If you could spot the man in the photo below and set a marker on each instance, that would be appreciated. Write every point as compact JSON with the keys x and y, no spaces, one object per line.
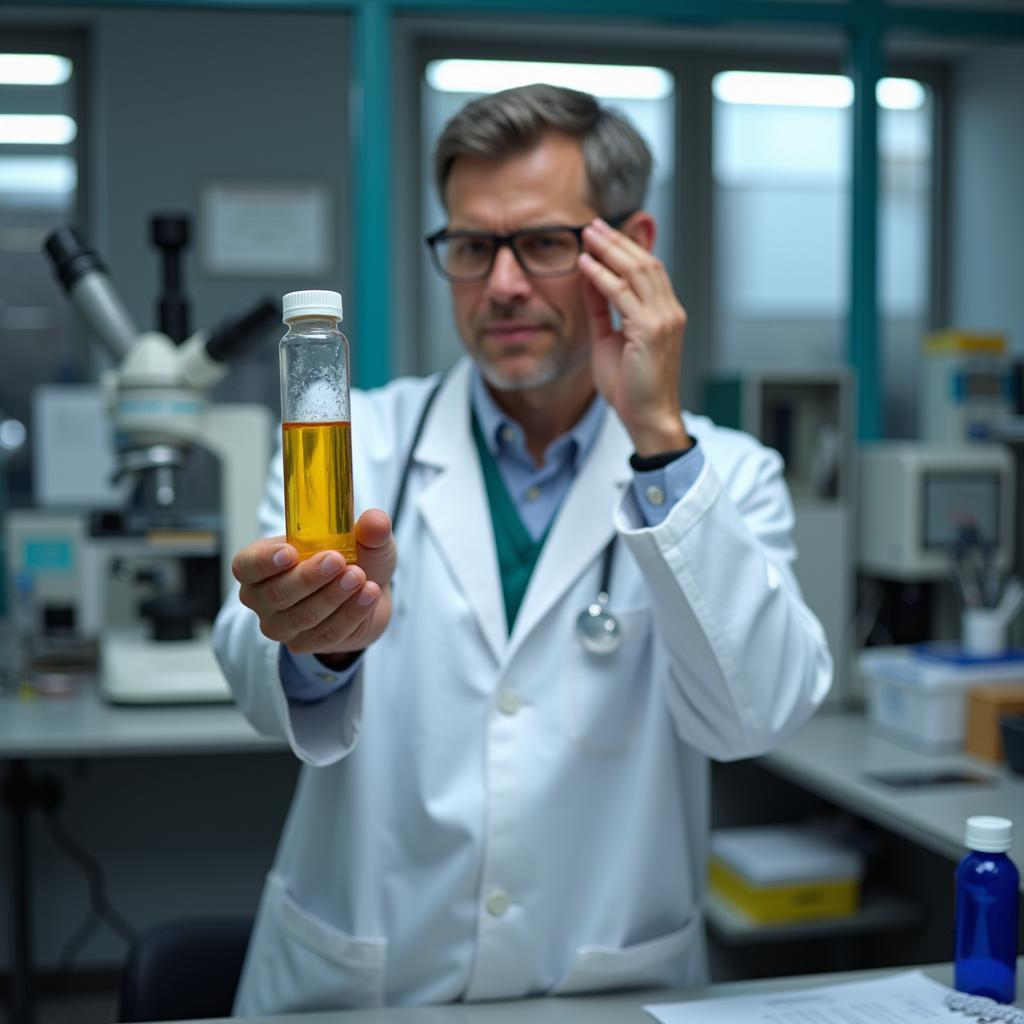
{"x":488,"y":808}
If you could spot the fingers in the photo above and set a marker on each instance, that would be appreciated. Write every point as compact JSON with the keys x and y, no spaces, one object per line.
{"x":375,"y":546}
{"x":285,"y":590}
{"x":330,"y":621}
{"x":599,"y":312}
{"x":643,"y":272}
{"x":613,"y":288}
{"x":262,"y":559}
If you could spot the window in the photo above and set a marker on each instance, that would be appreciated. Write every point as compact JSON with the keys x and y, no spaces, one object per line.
{"x":781,"y":159}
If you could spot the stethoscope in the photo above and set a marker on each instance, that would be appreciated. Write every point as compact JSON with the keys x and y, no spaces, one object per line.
{"x":597,"y":628}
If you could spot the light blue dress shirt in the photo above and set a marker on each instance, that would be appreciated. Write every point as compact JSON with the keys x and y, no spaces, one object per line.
{"x":537,"y":492}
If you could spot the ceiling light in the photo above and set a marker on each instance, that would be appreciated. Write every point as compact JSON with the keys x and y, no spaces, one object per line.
{"x":608,"y":81}
{"x":34,"y":69}
{"x":37,"y":129}
{"x":783,"y":89}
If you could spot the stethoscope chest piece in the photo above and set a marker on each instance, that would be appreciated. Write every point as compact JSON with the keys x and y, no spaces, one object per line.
{"x":598,"y":629}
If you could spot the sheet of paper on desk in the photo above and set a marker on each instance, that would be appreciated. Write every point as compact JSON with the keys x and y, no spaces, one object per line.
{"x":909,"y":998}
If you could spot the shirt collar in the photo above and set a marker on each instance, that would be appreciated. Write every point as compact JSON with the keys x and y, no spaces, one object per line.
{"x":493,"y":421}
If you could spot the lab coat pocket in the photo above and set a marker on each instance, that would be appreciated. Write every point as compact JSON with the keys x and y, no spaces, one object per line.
{"x":317,"y":966}
{"x":672,"y":960}
{"x":606,"y":690}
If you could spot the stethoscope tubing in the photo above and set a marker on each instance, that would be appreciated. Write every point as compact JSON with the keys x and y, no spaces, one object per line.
{"x":607,"y":559}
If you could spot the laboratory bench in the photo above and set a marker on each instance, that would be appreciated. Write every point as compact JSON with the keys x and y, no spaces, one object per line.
{"x":828,"y":758}
{"x":610,"y":1008}
{"x":833,"y":754}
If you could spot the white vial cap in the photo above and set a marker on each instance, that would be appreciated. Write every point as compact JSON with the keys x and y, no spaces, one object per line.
{"x":311,"y":303}
{"x":988,"y":834}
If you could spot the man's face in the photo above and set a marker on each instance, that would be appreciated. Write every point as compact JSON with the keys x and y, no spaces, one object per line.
{"x":523,"y":332}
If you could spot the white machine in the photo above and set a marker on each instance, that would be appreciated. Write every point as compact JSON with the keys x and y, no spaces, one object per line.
{"x":967,"y":387}
{"x":916,"y":498}
{"x":156,"y":398}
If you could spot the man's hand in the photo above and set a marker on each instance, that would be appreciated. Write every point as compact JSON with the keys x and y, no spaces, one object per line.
{"x":321,"y":605}
{"x":636,"y":368}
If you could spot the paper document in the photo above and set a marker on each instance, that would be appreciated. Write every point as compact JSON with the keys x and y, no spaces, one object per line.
{"x":909,"y":998}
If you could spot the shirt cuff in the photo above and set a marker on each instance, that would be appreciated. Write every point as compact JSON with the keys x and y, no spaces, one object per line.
{"x":657,"y":491}
{"x":307,"y":680}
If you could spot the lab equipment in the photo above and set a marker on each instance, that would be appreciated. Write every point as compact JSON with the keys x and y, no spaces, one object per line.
{"x":156,"y":398}
{"x":316,"y":426}
{"x":984,"y":630}
{"x":916,"y":498}
{"x":985,"y":953}
{"x":920,"y":696}
{"x":780,"y":873}
{"x":967,"y":386}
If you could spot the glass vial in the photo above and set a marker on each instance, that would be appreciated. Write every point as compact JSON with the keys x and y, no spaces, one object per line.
{"x":987,"y":881}
{"x":316,"y":426}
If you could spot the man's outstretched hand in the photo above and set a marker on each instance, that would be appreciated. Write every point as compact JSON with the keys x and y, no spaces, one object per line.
{"x":321,"y":605}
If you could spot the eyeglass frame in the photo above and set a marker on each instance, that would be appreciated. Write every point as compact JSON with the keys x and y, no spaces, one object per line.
{"x":444,"y":235}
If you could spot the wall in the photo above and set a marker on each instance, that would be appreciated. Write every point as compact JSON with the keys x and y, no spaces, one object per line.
{"x":987,"y":191}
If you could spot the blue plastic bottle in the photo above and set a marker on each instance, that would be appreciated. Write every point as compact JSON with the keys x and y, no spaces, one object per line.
{"x":987,"y":883}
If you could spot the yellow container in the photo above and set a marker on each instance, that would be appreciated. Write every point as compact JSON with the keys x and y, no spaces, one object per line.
{"x":957,"y":341}
{"x":793,"y":901}
{"x":779,"y":874}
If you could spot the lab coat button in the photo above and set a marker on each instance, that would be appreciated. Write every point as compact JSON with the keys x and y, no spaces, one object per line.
{"x":655,"y":495}
{"x":497,"y":902}
{"x":508,"y":702}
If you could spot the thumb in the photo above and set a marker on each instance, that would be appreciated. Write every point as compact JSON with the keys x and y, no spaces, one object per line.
{"x":375,"y":546}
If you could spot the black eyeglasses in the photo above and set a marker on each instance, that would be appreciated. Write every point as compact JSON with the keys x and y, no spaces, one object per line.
{"x":548,"y":251}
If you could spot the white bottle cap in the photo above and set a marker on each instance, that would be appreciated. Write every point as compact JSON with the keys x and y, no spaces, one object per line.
{"x":988,"y":834}
{"x":311,"y":303}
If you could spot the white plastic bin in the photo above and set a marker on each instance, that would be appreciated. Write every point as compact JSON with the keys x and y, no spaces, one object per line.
{"x":924,"y":700}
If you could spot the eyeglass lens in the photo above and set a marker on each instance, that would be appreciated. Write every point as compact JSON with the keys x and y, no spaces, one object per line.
{"x":540,"y":252}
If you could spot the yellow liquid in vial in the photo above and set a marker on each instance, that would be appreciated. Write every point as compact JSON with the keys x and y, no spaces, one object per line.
{"x":318,"y":488}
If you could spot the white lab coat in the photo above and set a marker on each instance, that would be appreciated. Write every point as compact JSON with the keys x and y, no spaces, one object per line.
{"x":487,"y":816}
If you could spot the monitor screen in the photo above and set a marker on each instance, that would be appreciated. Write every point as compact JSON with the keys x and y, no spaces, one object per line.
{"x":953,"y":501}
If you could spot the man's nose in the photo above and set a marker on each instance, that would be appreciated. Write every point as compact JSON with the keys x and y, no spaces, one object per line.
{"x":507,"y":280}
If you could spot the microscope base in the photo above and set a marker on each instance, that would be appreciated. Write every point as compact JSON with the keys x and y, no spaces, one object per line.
{"x":137,"y":670}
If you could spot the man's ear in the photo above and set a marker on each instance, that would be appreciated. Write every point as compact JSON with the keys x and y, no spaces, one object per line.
{"x":641,"y":229}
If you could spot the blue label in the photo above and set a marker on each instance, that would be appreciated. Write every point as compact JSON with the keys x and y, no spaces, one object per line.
{"x":48,"y":555}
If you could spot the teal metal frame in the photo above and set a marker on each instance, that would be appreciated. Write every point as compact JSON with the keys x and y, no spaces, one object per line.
{"x":866,"y":22}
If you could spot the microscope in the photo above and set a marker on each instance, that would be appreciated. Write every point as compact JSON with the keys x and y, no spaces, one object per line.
{"x":156,"y":649}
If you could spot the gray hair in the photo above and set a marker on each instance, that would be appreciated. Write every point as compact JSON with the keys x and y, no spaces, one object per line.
{"x":504,"y":124}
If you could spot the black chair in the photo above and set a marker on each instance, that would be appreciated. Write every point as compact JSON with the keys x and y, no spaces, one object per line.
{"x":185,"y":970}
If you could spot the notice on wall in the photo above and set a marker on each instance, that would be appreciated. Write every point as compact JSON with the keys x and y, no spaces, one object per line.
{"x":906,"y":998}
{"x":253,"y":229}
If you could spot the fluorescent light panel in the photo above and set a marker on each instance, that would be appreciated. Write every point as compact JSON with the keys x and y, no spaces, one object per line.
{"x":782,"y":89}
{"x":34,"y":69}
{"x":38,"y":175}
{"x":608,"y":81}
{"x":37,"y":129}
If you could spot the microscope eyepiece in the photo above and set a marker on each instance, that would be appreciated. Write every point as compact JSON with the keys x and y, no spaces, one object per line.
{"x":71,"y":257}
{"x":85,"y":279}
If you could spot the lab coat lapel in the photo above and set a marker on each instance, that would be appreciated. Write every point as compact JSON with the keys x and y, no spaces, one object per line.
{"x":454,"y":507}
{"x":581,"y":529}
